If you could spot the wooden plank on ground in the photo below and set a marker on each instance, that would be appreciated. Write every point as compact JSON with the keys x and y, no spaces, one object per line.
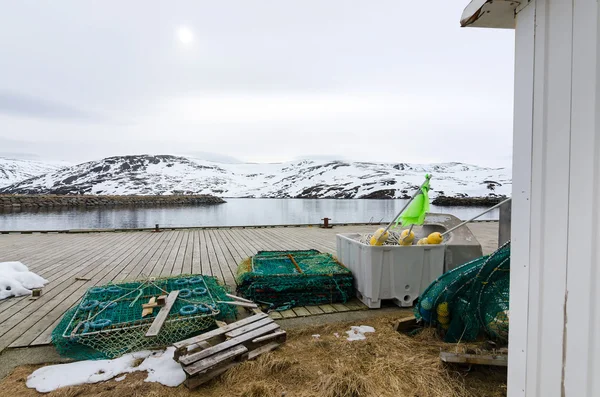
{"x":480,"y":359}
{"x":405,"y":324}
{"x":247,"y":328}
{"x":245,"y":249}
{"x":191,"y":358}
{"x":301,"y":312}
{"x":196,"y":263}
{"x":187,"y":258}
{"x":355,"y":304}
{"x":215,"y":270}
{"x":231,"y":256}
{"x":288,"y":313}
{"x":281,"y":335}
{"x":275,"y":315}
{"x":204,"y":259}
{"x":339,"y":307}
{"x":327,"y":308}
{"x":194,"y":382}
{"x":226,"y":272}
{"x":239,"y":298}
{"x":169,"y":263}
{"x":263,"y":349}
{"x":161,"y":259}
{"x":208,"y":363}
{"x":146,"y":263}
{"x":159,"y":320}
{"x":238,"y":303}
{"x":314,"y":309}
{"x":219,"y":331}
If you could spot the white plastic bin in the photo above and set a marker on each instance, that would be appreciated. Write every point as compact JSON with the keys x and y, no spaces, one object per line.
{"x":390,"y":272}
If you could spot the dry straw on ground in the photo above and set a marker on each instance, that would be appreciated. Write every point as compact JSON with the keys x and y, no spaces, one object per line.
{"x":385,"y":364}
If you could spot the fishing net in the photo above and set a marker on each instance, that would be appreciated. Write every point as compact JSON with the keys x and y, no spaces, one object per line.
{"x":393,"y":238}
{"x":471,"y":299}
{"x":108,"y":321}
{"x":284,"y":279}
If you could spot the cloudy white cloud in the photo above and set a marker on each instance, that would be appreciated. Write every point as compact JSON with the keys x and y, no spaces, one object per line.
{"x":260,"y":80}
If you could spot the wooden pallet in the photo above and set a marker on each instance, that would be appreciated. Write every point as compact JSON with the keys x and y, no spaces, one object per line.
{"x":499,"y":360}
{"x":207,"y":356}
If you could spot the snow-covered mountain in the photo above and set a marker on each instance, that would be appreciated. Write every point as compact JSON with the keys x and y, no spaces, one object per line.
{"x":13,"y":171}
{"x":164,"y":174}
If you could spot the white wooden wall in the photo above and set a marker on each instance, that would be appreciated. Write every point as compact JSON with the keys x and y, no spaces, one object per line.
{"x":555,"y":310}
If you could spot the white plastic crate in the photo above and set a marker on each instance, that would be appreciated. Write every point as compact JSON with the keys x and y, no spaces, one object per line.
{"x":390,"y":272}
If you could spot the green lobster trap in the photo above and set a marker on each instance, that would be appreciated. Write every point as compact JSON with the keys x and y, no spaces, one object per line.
{"x":284,"y":279}
{"x":108,"y":321}
{"x":470,"y":300}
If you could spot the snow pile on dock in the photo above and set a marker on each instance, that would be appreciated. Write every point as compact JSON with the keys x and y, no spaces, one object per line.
{"x":17,"y":280}
{"x":160,"y":366}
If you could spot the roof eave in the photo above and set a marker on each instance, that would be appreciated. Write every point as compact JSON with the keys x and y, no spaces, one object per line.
{"x":498,"y":14}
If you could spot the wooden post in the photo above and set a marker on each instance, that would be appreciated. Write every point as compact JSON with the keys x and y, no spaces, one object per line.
{"x":505,"y":222}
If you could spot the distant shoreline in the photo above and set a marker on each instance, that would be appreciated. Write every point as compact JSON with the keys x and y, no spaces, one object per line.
{"x":441,"y":201}
{"x":444,"y":201}
{"x":22,"y":201}
{"x":11,"y":201}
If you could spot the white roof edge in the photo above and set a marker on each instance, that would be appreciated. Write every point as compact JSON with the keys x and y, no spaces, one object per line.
{"x":499,"y":14}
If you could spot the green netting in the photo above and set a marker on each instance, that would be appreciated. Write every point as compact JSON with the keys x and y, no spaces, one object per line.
{"x":471,"y":299}
{"x":284,"y":279}
{"x":108,"y":321}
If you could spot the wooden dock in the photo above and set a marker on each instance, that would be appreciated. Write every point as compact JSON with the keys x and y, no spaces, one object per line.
{"x":75,"y":262}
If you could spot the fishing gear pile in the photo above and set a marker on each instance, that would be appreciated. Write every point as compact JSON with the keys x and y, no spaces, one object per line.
{"x":108,"y":321}
{"x":284,"y":279}
{"x":470,"y":300}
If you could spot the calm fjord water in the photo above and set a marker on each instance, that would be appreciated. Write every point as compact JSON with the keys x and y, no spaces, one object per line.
{"x":236,"y":212}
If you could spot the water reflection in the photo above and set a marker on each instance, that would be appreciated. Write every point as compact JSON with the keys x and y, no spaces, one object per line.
{"x":236,"y":212}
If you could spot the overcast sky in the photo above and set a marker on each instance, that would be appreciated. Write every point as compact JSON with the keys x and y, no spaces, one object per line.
{"x":256,"y":80}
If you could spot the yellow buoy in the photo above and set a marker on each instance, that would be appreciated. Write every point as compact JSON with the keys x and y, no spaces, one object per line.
{"x":443,"y":320}
{"x":435,"y":238}
{"x":442,"y":309}
{"x":405,"y":238}
{"x":379,"y":237}
{"x":422,"y":241}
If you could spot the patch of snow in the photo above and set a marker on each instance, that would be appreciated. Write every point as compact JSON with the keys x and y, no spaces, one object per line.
{"x":13,"y":170}
{"x":160,"y":365}
{"x":17,"y":280}
{"x":316,"y":336}
{"x":120,"y":378}
{"x":358,"y":333}
{"x":336,"y":334}
{"x":163,"y":369}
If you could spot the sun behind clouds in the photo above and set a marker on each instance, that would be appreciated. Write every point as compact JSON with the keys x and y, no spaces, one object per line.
{"x":185,"y":34}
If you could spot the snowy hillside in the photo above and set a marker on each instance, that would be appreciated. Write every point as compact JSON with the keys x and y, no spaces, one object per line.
{"x":13,"y":171}
{"x":163,"y":174}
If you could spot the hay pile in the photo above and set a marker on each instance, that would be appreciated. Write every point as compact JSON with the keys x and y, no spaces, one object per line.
{"x":385,"y":364}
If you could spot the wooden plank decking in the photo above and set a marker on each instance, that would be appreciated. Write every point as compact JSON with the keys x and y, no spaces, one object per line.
{"x":75,"y":262}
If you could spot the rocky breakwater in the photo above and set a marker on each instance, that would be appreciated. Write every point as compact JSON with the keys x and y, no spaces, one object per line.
{"x":463,"y":201}
{"x":9,"y":201}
